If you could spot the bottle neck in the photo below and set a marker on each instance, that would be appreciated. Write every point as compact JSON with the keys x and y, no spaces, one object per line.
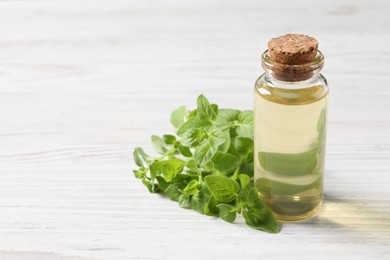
{"x":291,"y":84}
{"x":293,"y":73}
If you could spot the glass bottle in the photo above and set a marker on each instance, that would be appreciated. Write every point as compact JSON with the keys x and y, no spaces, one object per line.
{"x":290,"y":116}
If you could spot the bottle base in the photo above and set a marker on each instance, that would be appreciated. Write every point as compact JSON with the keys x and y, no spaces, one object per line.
{"x":293,"y":208}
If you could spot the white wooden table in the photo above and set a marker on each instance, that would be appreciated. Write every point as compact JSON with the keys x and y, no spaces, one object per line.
{"x":84,"y":82}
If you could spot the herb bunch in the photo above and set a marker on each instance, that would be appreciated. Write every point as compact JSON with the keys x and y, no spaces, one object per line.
{"x":207,"y":165}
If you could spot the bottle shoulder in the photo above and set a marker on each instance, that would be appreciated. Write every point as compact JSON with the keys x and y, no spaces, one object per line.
{"x":291,"y":93}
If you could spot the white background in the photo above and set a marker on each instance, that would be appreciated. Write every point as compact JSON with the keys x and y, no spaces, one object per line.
{"x":82,"y":83}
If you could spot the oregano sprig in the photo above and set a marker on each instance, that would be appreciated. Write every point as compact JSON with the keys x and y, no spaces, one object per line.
{"x":207,"y":165}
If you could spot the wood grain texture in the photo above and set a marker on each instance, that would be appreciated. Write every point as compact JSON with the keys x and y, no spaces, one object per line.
{"x":82,"y":83}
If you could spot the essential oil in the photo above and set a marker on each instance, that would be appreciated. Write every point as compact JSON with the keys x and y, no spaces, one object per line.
{"x":290,"y":128}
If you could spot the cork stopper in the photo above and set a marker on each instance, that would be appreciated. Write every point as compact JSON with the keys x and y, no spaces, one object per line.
{"x":293,"y":57}
{"x":293,"y":49}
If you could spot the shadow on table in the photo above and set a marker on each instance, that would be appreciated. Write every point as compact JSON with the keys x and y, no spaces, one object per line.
{"x":367,"y":217}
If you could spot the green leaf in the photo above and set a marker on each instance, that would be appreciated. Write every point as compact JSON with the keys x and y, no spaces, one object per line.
{"x":162,"y":183}
{"x":190,"y":164}
{"x":289,"y":164}
{"x":245,"y":131}
{"x":257,"y":215}
{"x":205,"y":110}
{"x":204,"y":153}
{"x":261,"y":220}
{"x":234,"y":177}
{"x":245,"y":126}
{"x":225,"y":162}
{"x":191,"y":188}
{"x":192,"y":114}
{"x":253,"y":199}
{"x":227,"y":116}
{"x":225,"y":146}
{"x":183,"y":178}
{"x":199,"y":201}
{"x":171,"y":168}
{"x":265,"y":220}
{"x":140,"y":173}
{"x":211,"y":207}
{"x":243,"y":146}
{"x":185,"y":151}
{"x":227,"y":212}
{"x":192,"y":137}
{"x":247,"y":168}
{"x":209,"y":166}
{"x":216,"y":136}
{"x":244,"y":181}
{"x":192,"y":124}
{"x":246,"y":117}
{"x":158,"y":144}
{"x":214,"y":107}
{"x":184,"y":201}
{"x":222,"y":188}
{"x":140,"y":157}
{"x":178,"y":117}
{"x":174,"y":191}
{"x":148,"y":184}
{"x":169,"y":139}
{"x":137,"y":157}
{"x":155,"y":169}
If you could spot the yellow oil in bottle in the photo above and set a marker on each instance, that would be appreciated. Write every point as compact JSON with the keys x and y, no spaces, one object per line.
{"x":290,"y":127}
